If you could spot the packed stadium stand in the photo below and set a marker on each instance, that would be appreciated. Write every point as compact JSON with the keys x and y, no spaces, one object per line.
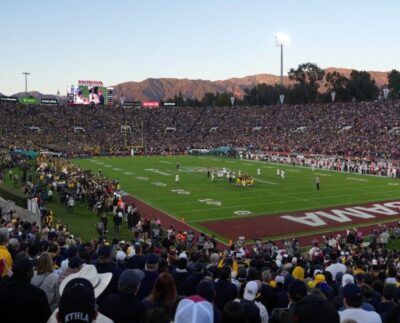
{"x":368,"y":129}
{"x":165,"y":275}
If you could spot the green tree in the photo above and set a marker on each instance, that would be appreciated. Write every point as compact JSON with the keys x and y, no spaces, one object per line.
{"x":394,"y":84}
{"x":336,"y":82}
{"x":262,"y":94}
{"x":361,"y":86}
{"x":307,"y":77}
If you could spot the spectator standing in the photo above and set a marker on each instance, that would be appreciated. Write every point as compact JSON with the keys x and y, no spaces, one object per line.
{"x":20,"y":301}
{"x":46,"y":279}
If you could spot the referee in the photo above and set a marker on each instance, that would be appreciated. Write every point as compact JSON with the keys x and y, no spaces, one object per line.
{"x":317,"y":181}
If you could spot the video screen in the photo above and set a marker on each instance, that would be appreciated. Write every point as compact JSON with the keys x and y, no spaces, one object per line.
{"x":90,"y":95}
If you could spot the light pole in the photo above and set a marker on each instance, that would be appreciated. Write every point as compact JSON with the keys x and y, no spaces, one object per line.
{"x":26,"y":81}
{"x":281,"y":40}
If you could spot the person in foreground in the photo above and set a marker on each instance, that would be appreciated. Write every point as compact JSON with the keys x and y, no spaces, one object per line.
{"x":353,"y":299}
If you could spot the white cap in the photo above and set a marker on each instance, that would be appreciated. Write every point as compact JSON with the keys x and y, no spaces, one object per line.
{"x":120,"y":256}
{"x":194,"y":309}
{"x":347,"y":279}
{"x":251,"y":290}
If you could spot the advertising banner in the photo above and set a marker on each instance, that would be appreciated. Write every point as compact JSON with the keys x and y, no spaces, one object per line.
{"x":8,"y":99}
{"x":150,"y":104}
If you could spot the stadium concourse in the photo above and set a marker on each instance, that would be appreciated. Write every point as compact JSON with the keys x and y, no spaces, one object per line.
{"x":164,"y":274}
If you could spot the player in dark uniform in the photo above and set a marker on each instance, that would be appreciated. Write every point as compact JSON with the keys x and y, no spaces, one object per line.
{"x":177,"y":165}
{"x":317,"y":182}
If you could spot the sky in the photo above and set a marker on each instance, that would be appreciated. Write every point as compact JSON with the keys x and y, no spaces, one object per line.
{"x":61,"y":42}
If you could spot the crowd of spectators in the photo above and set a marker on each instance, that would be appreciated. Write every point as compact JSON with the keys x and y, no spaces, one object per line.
{"x":367,"y":129}
{"x":47,"y":274}
{"x":160,"y":275}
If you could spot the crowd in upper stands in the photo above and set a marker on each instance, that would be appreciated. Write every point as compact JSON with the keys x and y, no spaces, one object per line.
{"x":367,"y":129}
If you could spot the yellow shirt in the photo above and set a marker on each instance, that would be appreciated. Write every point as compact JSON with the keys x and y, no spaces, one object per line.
{"x":5,"y":254}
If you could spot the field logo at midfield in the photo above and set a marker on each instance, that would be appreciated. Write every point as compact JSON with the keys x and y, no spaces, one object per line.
{"x":181,"y":191}
{"x":160,"y":184}
{"x":211,"y":202}
{"x":157,"y":171}
{"x":345,"y":215}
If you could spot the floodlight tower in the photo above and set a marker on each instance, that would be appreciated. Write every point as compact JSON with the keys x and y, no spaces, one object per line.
{"x":281,"y":40}
{"x":26,"y":81}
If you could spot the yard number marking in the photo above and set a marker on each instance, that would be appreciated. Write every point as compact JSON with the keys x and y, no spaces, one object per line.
{"x":211,"y":202}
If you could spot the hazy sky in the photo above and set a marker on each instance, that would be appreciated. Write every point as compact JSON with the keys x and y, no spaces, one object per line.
{"x":60,"y":42}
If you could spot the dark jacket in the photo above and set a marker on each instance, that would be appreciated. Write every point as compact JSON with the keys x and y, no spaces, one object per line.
{"x":136,"y":262}
{"x":225,"y":291}
{"x":190,"y":284}
{"x":147,"y":284}
{"x":23,"y":302}
{"x":251,"y":310}
{"x":123,"y":308}
{"x":179,"y":276}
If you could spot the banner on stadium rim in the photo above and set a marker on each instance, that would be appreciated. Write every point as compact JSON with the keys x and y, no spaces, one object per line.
{"x":169,"y":104}
{"x":9,"y":99}
{"x":29,"y":100}
{"x":132,"y":104}
{"x":333,"y":96}
{"x":281,"y":98}
{"x":49,"y":101}
{"x":385,"y":93}
{"x":150,"y":104}
{"x":232,"y":100}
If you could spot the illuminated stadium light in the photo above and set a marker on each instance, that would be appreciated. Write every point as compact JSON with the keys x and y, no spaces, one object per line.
{"x":281,"y":40}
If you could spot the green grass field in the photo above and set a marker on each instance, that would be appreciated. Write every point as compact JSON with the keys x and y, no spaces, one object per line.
{"x":196,"y":198}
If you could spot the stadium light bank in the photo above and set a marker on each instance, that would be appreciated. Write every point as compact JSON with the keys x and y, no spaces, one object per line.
{"x":281,"y":40}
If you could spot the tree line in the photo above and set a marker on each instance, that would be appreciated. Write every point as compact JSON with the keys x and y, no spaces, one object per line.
{"x":308,"y":79}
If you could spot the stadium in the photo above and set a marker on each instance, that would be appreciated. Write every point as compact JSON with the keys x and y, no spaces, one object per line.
{"x":256,"y":199}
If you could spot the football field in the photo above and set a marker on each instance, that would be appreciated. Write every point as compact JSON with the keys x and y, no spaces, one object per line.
{"x":272,"y":208}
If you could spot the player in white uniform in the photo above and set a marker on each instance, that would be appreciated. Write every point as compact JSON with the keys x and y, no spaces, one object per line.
{"x":278,"y":172}
{"x":258,"y":171}
{"x":282,"y":174}
{"x":212,"y":177}
{"x":177,"y":178}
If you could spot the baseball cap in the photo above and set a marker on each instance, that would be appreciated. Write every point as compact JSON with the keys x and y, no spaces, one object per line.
{"x":77,"y":302}
{"x":74,"y":262}
{"x":320,"y":278}
{"x":347,"y":279}
{"x":194,"y":309}
{"x":297,"y":290}
{"x":152,"y":259}
{"x":104,"y":251}
{"x":120,"y":256}
{"x":352,"y":293}
{"x":250,"y":291}
{"x":130,"y":279}
{"x":22,"y":265}
{"x":280,"y":279}
{"x":206,"y":290}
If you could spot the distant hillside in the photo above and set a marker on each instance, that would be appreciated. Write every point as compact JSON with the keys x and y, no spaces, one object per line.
{"x":35,"y":94}
{"x":165,"y":88}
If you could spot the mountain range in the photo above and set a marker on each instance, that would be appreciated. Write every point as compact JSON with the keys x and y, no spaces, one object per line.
{"x":165,"y":88}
